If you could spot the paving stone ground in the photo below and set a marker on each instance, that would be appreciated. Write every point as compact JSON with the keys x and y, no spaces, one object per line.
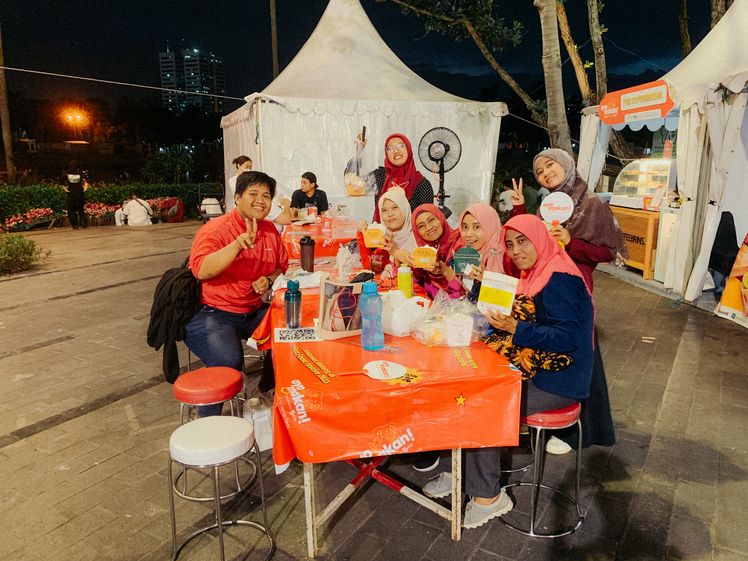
{"x":87,"y":417}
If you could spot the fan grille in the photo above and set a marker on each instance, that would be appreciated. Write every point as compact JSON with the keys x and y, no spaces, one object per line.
{"x":439,"y":144}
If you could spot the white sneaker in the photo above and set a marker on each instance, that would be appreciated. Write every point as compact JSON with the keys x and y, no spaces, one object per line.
{"x":439,"y":486}
{"x":557,"y":446}
{"x":476,"y":515}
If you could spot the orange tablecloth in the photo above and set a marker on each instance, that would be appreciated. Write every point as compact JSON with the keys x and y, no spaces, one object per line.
{"x":440,"y":404}
{"x":327,"y":240}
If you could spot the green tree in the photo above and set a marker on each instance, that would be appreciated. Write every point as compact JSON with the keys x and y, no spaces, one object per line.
{"x":172,"y":165}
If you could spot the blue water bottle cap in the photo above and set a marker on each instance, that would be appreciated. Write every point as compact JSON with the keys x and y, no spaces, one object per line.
{"x":293,"y":285}
{"x":370,"y":287}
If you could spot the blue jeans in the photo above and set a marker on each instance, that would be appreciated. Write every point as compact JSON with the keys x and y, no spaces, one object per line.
{"x":215,"y":336}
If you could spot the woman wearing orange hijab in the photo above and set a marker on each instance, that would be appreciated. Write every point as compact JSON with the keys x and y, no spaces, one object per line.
{"x":563,"y":324}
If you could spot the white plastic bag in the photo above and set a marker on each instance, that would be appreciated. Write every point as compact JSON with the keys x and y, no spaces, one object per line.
{"x":409,"y":315}
{"x":260,"y":414}
{"x":391,"y":300}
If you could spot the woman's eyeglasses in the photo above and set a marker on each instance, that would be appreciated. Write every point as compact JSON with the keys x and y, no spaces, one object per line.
{"x":393,"y":147}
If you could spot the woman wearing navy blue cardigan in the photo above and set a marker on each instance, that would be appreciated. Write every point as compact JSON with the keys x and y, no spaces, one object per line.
{"x":552,"y":333}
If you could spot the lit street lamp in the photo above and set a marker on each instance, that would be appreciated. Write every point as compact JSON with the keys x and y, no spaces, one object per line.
{"x":76,"y":118}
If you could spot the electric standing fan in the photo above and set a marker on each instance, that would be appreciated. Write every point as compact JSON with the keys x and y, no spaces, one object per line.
{"x":439,"y":151}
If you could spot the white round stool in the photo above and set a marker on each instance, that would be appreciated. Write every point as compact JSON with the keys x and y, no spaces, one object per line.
{"x":210,"y":443}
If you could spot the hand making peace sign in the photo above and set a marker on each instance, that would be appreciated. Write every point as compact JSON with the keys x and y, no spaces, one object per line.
{"x":247,"y":239}
{"x":518,"y":197}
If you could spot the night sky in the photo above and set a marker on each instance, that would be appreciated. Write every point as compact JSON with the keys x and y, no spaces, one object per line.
{"x":120,"y":40}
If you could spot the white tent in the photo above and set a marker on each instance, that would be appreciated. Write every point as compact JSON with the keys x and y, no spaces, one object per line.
{"x":346,"y":77}
{"x":712,"y":147}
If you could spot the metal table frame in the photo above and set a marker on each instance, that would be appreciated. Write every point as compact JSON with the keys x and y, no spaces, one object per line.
{"x":370,"y":469}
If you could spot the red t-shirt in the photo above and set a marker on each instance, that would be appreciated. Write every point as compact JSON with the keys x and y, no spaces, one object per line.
{"x":232,"y":290}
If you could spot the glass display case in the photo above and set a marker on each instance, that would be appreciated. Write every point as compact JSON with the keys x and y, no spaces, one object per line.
{"x":642,"y":184}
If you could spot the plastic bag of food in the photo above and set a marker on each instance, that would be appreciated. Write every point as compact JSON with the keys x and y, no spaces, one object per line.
{"x":448,"y":321}
{"x":357,"y":183}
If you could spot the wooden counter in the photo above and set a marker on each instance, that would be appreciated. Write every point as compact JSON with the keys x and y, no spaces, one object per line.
{"x":639,"y":229}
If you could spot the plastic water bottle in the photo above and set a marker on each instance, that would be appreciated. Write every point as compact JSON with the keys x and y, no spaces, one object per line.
{"x":293,"y":304}
{"x":372,"y":336}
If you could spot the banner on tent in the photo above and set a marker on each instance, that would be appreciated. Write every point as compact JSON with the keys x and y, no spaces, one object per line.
{"x":639,"y":103}
{"x":734,"y":302}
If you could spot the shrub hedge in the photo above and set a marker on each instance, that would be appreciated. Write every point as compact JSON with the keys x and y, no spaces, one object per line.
{"x":18,"y":253}
{"x":17,"y":199}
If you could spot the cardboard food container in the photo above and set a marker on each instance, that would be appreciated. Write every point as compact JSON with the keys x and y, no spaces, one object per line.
{"x":424,"y":257}
{"x":374,"y":236}
{"x":465,"y":256}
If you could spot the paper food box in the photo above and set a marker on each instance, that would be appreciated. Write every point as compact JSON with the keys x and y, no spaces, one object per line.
{"x":424,"y":257}
{"x":374,"y":236}
{"x":465,"y":256}
{"x":497,"y":292}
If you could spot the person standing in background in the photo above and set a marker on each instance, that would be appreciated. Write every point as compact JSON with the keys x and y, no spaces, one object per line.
{"x":75,"y":187}
{"x":241,"y":163}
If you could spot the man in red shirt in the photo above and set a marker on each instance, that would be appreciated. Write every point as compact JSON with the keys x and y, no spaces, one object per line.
{"x":236,"y":257}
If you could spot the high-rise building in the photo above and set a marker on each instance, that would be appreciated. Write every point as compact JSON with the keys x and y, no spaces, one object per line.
{"x":185,"y":73}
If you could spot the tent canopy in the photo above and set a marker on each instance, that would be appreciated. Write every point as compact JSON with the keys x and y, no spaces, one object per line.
{"x":343,"y":78}
{"x":723,"y":52}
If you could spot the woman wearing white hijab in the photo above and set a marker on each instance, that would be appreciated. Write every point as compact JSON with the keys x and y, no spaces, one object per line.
{"x":394,"y":212}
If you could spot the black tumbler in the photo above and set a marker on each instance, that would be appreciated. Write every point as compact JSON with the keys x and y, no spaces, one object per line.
{"x":307,"y":253}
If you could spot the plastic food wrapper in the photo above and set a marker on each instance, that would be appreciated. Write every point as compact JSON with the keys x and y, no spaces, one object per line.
{"x":345,"y":261}
{"x":446,"y":313}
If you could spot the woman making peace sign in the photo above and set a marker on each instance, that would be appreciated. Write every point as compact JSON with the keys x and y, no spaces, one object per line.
{"x":236,"y":257}
{"x":591,"y":236}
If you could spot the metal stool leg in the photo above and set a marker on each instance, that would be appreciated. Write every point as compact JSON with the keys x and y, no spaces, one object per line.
{"x":219,"y":517}
{"x":537,"y":485}
{"x":262,"y":494}
{"x":536,"y":476}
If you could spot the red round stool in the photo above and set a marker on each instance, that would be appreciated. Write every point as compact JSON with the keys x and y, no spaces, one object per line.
{"x":549,"y":420}
{"x":207,"y":386}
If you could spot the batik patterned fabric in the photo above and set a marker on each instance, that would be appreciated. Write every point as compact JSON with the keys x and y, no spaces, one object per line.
{"x":528,"y":360}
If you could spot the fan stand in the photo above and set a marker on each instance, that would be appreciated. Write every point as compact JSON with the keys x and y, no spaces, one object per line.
{"x":441,"y":195}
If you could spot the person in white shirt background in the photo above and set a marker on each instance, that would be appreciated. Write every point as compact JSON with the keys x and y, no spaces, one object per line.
{"x":505,"y":199}
{"x":137,"y":211}
{"x":242,"y":164}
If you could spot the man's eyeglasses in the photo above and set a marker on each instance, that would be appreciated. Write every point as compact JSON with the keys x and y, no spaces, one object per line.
{"x":393,"y":147}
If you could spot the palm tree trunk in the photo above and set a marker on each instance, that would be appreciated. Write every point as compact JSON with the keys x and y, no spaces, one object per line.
{"x":596,"y":36}
{"x":718,"y":10}
{"x":588,"y":96}
{"x":558,"y":126}
{"x":685,"y":36}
